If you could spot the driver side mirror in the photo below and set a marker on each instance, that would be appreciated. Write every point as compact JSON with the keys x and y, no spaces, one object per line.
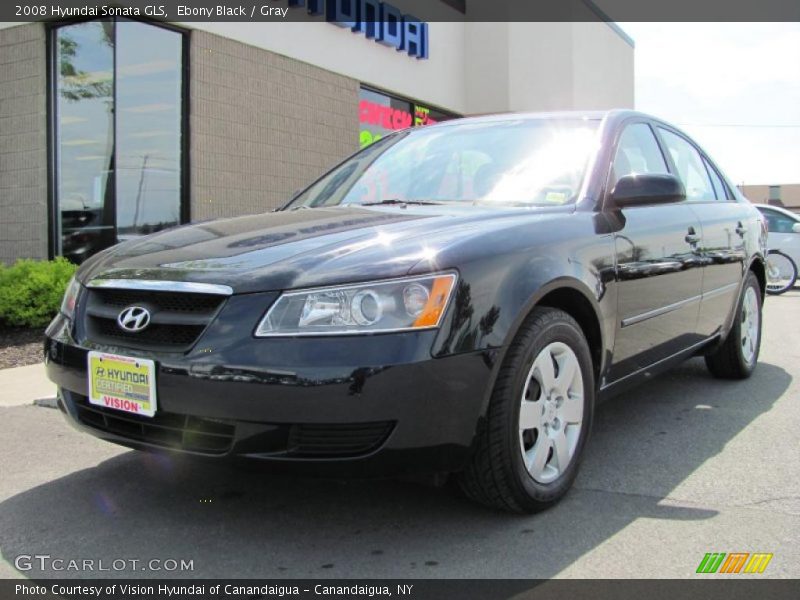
{"x":642,"y":189}
{"x":796,"y":227}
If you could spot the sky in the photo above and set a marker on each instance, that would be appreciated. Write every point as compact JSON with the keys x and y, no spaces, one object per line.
{"x":733,"y":87}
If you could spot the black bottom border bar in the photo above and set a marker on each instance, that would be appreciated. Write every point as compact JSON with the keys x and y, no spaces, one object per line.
{"x":707,"y":588}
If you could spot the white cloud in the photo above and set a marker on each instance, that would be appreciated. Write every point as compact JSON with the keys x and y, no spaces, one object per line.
{"x":705,"y":77}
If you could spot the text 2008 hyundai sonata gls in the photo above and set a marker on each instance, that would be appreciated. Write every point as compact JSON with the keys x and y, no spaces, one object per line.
{"x":451,"y":299}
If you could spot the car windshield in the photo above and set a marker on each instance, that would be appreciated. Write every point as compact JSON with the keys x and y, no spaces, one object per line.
{"x":522,"y":162}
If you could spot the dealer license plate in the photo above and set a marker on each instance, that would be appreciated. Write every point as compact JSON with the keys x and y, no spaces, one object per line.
{"x":122,"y":383}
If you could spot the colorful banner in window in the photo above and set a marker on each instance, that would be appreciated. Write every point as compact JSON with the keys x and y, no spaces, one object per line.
{"x":381,"y":114}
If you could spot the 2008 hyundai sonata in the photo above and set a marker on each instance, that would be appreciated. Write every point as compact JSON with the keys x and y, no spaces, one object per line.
{"x":452,"y":299}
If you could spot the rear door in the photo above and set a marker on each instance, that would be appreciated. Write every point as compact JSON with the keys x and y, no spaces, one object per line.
{"x":658,"y":265}
{"x":724,"y":224}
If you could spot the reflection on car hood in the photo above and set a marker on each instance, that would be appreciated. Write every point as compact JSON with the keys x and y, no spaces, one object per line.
{"x":301,"y":248}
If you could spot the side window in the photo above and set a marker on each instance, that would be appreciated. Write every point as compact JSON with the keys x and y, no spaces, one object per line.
{"x":778,"y":223}
{"x":720,"y":189}
{"x":691,"y":169}
{"x":638,"y":152}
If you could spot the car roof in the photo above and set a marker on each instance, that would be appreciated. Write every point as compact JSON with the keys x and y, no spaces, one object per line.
{"x":780,"y":209}
{"x":591,"y":115}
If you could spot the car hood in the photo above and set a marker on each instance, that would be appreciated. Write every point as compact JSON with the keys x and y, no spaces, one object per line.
{"x":300,"y":248}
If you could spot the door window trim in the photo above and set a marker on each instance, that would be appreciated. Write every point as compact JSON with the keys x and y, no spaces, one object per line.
{"x":729,"y":195}
{"x":712,"y":172}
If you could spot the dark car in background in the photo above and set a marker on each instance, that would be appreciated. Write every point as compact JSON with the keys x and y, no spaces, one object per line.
{"x":452,"y":299}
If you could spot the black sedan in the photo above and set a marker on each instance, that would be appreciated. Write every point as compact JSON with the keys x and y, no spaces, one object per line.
{"x":453,"y":299}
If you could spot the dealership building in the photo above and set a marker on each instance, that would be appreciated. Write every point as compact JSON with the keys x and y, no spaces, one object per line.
{"x":114,"y":128}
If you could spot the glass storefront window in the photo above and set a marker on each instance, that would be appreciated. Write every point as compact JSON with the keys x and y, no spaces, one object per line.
{"x":380,"y":114}
{"x":85,"y":132}
{"x":118,"y":126}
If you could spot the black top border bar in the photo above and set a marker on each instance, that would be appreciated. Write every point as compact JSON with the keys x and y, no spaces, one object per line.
{"x":370,"y":11}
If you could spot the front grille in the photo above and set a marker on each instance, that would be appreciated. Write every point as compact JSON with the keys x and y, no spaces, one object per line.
{"x":169,"y":301}
{"x":159,"y":335}
{"x":177,"y":319}
{"x":337,"y":440}
{"x":169,"y":430}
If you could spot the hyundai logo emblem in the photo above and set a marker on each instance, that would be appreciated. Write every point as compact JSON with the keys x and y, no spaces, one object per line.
{"x":134,"y":319}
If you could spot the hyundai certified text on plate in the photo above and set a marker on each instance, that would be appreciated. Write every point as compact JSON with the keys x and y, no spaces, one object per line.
{"x":453,"y":299}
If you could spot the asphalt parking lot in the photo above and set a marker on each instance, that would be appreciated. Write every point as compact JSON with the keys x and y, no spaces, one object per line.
{"x":677,"y":468}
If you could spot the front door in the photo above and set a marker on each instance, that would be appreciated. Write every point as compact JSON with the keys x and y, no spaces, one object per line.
{"x":659,"y":271}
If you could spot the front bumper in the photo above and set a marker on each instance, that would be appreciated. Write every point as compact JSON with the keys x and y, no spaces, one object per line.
{"x":369,"y":405}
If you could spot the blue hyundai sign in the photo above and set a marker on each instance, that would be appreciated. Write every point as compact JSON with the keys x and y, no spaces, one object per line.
{"x":377,"y":20}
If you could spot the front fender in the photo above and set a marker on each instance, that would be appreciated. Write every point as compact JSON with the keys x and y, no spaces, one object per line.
{"x":495,"y":293}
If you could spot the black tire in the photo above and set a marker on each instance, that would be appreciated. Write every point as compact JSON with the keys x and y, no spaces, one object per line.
{"x":497,"y":476}
{"x":728,"y":361}
{"x":778,"y":288}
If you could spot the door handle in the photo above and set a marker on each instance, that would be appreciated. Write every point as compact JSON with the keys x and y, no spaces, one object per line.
{"x":741,"y":229}
{"x":692,"y":237}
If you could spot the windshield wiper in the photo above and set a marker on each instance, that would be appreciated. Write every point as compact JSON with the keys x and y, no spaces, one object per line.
{"x":398,"y":201}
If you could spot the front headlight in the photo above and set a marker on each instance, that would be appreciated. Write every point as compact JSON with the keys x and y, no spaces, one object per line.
{"x":70,"y":298}
{"x":375,"y":307}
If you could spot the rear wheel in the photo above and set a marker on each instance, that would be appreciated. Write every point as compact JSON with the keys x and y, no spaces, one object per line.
{"x":781,"y":272}
{"x":736,"y":358}
{"x":539,"y":416}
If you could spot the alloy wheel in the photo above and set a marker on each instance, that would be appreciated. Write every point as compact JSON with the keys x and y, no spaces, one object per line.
{"x":749,"y":327}
{"x":551,"y":412}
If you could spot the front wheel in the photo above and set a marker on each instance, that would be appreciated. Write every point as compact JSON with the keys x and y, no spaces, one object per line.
{"x":528,"y":450}
{"x":736,"y":358}
{"x":781,"y":272}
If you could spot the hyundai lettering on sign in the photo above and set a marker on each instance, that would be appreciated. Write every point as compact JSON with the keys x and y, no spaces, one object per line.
{"x":377,"y":20}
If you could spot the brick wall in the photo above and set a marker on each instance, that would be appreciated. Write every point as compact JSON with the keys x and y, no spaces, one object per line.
{"x":789,"y":195}
{"x":23,"y":143}
{"x":262,"y":126}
